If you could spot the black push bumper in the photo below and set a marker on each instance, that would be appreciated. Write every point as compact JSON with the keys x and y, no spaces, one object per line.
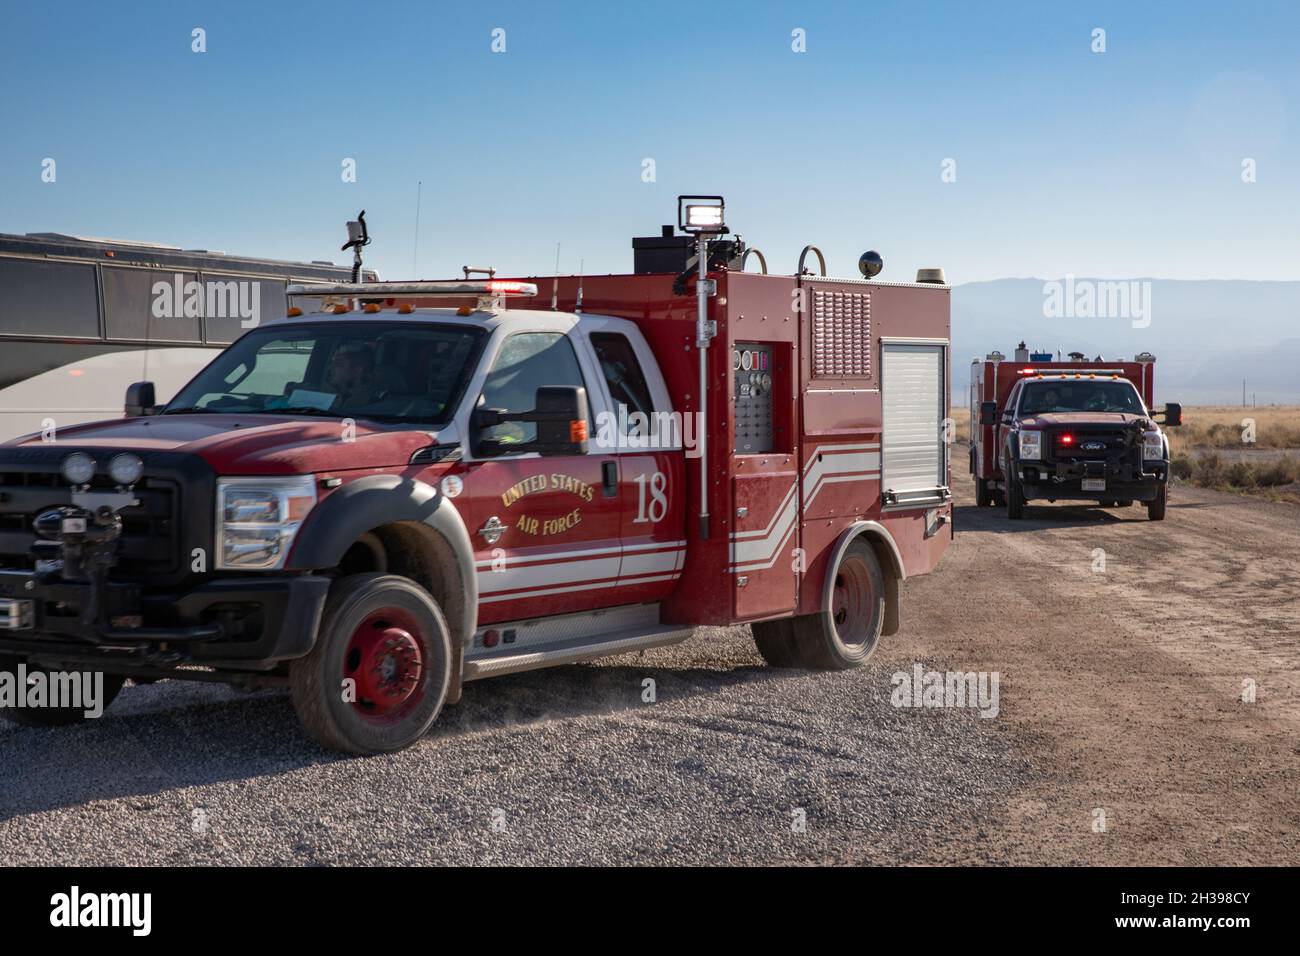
{"x":1064,"y":481}
{"x":240,"y":622}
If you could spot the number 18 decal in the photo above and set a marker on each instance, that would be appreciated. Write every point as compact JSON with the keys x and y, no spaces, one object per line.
{"x":651,"y":498}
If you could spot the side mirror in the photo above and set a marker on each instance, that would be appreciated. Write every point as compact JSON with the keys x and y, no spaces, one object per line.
{"x":560,"y":412}
{"x":988,"y":413}
{"x":140,"y":399}
{"x":1173,"y":414}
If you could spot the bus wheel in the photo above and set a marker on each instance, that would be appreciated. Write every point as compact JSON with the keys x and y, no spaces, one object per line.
{"x":379,"y":672}
{"x":56,"y":716}
{"x":1156,"y":507}
{"x":845,"y":634}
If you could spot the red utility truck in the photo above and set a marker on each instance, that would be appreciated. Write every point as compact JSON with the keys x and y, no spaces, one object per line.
{"x":1079,"y":429}
{"x":418,"y":485}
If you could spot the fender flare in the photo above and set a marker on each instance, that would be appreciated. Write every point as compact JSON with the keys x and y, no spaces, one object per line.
{"x":360,"y":506}
{"x":894,"y":570}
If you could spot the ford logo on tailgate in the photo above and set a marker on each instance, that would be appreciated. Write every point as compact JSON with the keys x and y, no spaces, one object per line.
{"x":1094,"y":446}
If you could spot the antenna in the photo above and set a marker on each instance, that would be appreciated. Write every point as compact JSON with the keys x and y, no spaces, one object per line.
{"x":581,"y":265}
{"x":555,"y":285}
{"x":415,"y":252}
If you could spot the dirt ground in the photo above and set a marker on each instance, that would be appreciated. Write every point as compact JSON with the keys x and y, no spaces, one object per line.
{"x":1123,"y":688}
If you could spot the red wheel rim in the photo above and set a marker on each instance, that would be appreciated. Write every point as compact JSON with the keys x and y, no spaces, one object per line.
{"x":851,"y":600}
{"x":385,"y":658}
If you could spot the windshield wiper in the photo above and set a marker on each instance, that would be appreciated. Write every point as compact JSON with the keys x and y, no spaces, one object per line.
{"x":301,"y":410}
{"x":190,"y":410}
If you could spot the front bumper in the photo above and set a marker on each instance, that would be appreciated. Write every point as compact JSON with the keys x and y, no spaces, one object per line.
{"x":1125,"y":481}
{"x":246,"y":622}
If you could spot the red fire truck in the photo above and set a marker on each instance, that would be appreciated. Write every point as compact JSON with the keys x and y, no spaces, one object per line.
{"x":417,"y":485}
{"x":1073,"y":429}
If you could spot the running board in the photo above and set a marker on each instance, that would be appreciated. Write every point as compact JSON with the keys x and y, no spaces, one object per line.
{"x":572,"y":652}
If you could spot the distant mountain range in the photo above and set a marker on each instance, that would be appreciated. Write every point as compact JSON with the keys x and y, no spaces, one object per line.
{"x":1207,"y":334}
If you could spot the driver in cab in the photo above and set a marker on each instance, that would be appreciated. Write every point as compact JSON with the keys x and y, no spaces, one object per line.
{"x":352,"y":376}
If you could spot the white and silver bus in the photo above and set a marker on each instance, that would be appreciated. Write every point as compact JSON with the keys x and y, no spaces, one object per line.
{"x":81,"y":319}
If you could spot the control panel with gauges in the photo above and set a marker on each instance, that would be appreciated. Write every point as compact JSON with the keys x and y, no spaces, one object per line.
{"x":752,"y":366}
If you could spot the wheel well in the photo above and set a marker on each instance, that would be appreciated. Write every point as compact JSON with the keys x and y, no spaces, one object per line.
{"x":413,"y":550}
{"x":893,"y":575}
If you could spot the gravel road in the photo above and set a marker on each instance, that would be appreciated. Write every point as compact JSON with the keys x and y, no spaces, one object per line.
{"x":1120,"y":692}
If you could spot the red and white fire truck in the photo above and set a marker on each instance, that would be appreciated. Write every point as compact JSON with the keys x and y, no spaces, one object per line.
{"x":404,"y":487}
{"x":1073,"y":429}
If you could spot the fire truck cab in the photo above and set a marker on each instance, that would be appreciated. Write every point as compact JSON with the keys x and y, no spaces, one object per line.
{"x":401,"y":488}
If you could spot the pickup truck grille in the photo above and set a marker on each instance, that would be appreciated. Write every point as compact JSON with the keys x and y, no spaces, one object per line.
{"x":149,"y":542}
{"x":1074,"y":443}
{"x":1091,"y":444}
{"x":173,"y":518}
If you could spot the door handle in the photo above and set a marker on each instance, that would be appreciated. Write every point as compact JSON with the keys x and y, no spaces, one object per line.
{"x":609,"y":478}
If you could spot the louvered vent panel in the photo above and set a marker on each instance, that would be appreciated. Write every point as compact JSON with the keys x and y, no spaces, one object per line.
{"x":841,"y":334}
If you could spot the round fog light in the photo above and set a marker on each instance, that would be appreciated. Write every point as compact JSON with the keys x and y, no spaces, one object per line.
{"x":78,"y":468}
{"x":125,"y":469}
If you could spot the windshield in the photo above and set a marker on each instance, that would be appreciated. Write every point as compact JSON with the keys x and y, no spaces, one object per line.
{"x":1081,"y":396}
{"x":385,"y":371}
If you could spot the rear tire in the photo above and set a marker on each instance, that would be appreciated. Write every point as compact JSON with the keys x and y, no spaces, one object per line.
{"x":1156,"y":507}
{"x":775,"y":642}
{"x":983,"y":494}
{"x":54,"y":716}
{"x":386,"y":636}
{"x":845,"y":634}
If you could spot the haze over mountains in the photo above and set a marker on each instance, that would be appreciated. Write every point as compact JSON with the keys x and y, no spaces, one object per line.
{"x":1207,"y":335}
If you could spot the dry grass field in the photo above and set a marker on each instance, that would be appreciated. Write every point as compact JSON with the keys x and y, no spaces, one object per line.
{"x":1246,"y":450}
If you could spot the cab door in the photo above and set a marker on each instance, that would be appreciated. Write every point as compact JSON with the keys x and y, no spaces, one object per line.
{"x":545,"y":529}
{"x":647,"y":442}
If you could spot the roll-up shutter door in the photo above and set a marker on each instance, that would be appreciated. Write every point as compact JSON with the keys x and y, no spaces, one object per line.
{"x":913,"y":459}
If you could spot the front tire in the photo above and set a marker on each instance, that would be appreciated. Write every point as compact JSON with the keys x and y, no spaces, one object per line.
{"x":1015,"y":498}
{"x":55,"y":716}
{"x":845,"y":634}
{"x":379,"y":672}
{"x":1156,"y":507}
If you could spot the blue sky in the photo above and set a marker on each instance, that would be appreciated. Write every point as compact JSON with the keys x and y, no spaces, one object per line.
{"x":1124,"y":163}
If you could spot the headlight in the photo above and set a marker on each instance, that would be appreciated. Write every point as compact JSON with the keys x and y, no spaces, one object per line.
{"x":78,"y":468}
{"x":1153,"y":446}
{"x":125,"y":469}
{"x":257,"y":519}
{"x":1031,"y":445}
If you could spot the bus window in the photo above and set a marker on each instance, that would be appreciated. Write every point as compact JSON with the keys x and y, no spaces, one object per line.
{"x":135,"y":311}
{"x":48,"y":298}
{"x":240,"y":307}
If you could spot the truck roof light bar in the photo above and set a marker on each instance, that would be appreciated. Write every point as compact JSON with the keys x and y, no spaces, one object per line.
{"x":422,"y":289}
{"x":1070,"y":371}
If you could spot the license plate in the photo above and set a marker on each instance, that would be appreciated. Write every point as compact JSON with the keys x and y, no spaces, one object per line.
{"x":1094,"y":484}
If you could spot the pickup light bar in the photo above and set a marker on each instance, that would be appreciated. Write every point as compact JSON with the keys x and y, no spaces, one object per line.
{"x":385,"y":290}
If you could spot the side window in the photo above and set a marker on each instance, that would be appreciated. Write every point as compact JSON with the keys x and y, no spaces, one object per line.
{"x":626,"y":381}
{"x":1012,"y":401}
{"x":527,"y":361}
